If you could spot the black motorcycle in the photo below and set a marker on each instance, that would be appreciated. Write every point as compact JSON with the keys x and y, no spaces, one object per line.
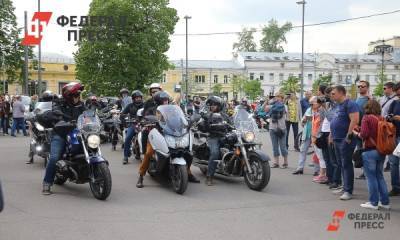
{"x":83,"y":161}
{"x":240,"y":155}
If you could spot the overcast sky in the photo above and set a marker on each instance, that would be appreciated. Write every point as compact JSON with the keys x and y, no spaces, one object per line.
{"x":232,"y":15}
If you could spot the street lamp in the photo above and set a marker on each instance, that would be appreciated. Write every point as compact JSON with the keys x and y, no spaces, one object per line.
{"x":186,"y":70}
{"x":39,"y":60}
{"x":382,"y":49}
{"x":302,"y":50}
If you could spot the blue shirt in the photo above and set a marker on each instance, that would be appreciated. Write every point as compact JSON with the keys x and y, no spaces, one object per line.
{"x":341,"y":121}
{"x":304,"y":105}
{"x":361,"y":102}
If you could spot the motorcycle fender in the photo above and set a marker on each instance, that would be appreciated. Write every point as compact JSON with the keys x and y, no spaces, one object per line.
{"x":97,"y":159}
{"x":264,"y":157}
{"x":158,"y":142}
{"x":178,"y":161}
{"x":140,"y":142}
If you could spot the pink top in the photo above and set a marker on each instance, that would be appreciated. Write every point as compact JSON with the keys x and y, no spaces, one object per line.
{"x":369,"y":129}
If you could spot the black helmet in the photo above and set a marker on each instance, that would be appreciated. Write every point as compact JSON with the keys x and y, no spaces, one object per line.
{"x":123,"y":91}
{"x":215,"y":100}
{"x":137,"y":93}
{"x":47,"y":95}
{"x":161,"y":97}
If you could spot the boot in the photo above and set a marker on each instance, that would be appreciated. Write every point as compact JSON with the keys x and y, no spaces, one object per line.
{"x":209,"y":181}
{"x":125,"y":161}
{"x":193,"y":179}
{"x":46,"y":189}
{"x":139,"y":183}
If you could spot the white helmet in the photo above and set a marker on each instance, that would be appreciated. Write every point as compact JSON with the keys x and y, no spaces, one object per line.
{"x":155,"y":85}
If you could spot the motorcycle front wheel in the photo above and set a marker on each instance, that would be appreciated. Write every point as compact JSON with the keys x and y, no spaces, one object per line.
{"x":100,"y":184}
{"x":180,"y":178}
{"x":261,"y":173}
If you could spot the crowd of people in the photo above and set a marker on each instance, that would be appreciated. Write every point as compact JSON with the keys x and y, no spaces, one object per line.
{"x":338,"y":129}
{"x":12,"y":117}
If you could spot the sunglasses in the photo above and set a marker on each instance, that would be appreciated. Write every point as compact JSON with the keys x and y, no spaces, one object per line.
{"x":154,"y":92}
{"x":361,"y":86}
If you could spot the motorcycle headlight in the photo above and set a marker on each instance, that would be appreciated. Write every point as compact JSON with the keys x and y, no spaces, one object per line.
{"x":177,"y":142}
{"x":93,"y":141}
{"x":39,"y":127}
{"x":249,"y":137}
{"x":170,"y":141}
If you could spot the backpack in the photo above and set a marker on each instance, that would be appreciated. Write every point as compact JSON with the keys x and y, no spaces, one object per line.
{"x":277,"y":112}
{"x":386,"y":137}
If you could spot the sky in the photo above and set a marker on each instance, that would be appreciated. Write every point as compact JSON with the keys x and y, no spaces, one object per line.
{"x":232,"y":15}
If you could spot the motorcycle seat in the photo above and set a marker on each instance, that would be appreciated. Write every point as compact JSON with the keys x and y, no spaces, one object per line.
{"x":78,"y":157}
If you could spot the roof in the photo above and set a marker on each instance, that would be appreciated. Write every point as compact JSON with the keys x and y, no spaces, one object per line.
{"x":48,"y":57}
{"x":206,"y":64}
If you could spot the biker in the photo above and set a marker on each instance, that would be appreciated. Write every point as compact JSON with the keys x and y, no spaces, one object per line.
{"x":244,"y":104}
{"x":124,"y":99}
{"x":92,"y":103}
{"x":131,"y":109}
{"x":150,"y":106}
{"x":213,"y":123}
{"x":160,"y":98}
{"x":47,"y":96}
{"x":70,"y":107}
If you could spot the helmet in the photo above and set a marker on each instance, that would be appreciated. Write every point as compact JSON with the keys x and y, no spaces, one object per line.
{"x":216,"y":101}
{"x":93,"y":98}
{"x":244,"y":100}
{"x":47,"y":95}
{"x":161,"y":97}
{"x":123,"y":91}
{"x":136,"y":94}
{"x":153,"y":86}
{"x":70,"y":90}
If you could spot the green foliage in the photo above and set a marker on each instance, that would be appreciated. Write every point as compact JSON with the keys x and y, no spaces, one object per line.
{"x":378,"y":91}
{"x":246,"y":41}
{"x":11,"y":50}
{"x":217,"y":88}
{"x":252,"y":88}
{"x":137,"y":56}
{"x":323,"y":80}
{"x":238,"y":84}
{"x":291,"y":85}
{"x":274,"y":36}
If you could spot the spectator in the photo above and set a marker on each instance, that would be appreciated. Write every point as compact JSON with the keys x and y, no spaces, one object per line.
{"x":321,"y":90}
{"x":18,"y":116}
{"x":333,"y":169}
{"x":34,"y":100}
{"x":394,"y":116}
{"x":305,"y":102}
{"x":363,"y":89}
{"x":278,"y":114}
{"x":293,"y":118}
{"x":372,"y":159}
{"x":4,"y":114}
{"x":345,"y":119}
{"x":306,"y":141}
{"x":318,"y":117}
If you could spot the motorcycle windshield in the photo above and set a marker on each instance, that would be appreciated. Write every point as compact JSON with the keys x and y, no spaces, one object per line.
{"x":172,"y":120}
{"x":42,"y":107}
{"x":244,"y":122}
{"x":89,"y":122}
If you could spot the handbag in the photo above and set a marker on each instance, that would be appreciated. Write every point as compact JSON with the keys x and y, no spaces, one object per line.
{"x":322,"y":141}
{"x":357,"y":158}
{"x":396,"y":151}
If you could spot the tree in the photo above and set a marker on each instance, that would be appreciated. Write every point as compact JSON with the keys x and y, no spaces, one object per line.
{"x":323,"y":80}
{"x":238,"y":84}
{"x":11,"y":50}
{"x":291,"y":85}
{"x":217,"y":88}
{"x":137,"y":54}
{"x":378,"y":91}
{"x":246,"y":41}
{"x":274,"y":36}
{"x":252,"y":88}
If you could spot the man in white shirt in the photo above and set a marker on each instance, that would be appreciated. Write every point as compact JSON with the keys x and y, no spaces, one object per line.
{"x":388,"y":98}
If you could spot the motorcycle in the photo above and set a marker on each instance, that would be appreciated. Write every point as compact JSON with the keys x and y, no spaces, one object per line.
{"x":40,"y":135}
{"x":1,"y":199}
{"x":112,"y":126}
{"x":172,"y":146}
{"x":83,"y":161}
{"x":240,"y":153}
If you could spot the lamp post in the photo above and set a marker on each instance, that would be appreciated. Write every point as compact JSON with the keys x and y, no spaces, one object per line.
{"x":382,"y":49}
{"x":186,"y":70}
{"x":39,"y":60}
{"x":302,"y":50}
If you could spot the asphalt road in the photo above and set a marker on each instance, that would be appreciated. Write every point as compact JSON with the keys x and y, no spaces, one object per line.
{"x":291,"y":207}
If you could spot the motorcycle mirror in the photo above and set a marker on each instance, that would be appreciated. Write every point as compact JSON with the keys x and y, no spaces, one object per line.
{"x":1,"y":199}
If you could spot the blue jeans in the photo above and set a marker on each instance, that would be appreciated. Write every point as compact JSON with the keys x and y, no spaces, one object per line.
{"x":394,"y":170}
{"x":303,"y":155}
{"x":329,"y":157}
{"x":344,"y":155}
{"x":278,"y":143}
{"x":4,"y":124}
{"x":18,"y":123}
{"x":213,"y":146}
{"x":373,"y":169}
{"x":128,"y":141}
{"x":57,"y":147}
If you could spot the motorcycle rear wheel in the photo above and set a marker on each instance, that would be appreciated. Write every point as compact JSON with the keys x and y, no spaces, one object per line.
{"x":180,"y":178}
{"x":59,"y":180}
{"x":101,"y":186}
{"x":260,"y":177}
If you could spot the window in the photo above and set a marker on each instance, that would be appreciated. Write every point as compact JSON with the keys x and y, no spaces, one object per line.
{"x":393,"y":77}
{"x":281,"y":76}
{"x":271,"y":77}
{"x":282,"y":65}
{"x":5,"y":88}
{"x":358,"y":66}
{"x":33,"y":87}
{"x":225,"y":79}
{"x":199,"y":79}
{"x":290,"y":74}
{"x":261,"y":76}
{"x":396,"y":67}
{"x":251,"y":76}
{"x":300,"y":76}
{"x":60,"y":86}
{"x":164,"y":78}
{"x":367,"y":77}
{"x":309,"y":77}
{"x":215,"y":78}
{"x":352,"y":66}
{"x":346,"y":67}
